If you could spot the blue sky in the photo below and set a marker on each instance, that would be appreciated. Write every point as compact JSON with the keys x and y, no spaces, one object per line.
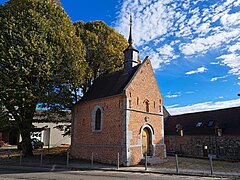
{"x":194,"y":46}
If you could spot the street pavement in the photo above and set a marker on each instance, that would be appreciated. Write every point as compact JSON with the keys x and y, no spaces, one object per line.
{"x":11,"y":173}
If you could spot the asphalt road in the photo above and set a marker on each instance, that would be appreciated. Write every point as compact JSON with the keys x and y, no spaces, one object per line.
{"x":8,"y":173}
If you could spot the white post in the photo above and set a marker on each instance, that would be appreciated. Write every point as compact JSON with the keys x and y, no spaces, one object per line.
{"x":8,"y":154}
{"x":67,"y":158}
{"x":118,"y":160}
{"x":41,"y":160}
{"x":211,"y":164}
{"x":177,"y":166}
{"x":92,"y":160}
{"x":20,"y":158}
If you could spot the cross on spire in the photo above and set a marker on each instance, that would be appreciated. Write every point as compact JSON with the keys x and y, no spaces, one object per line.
{"x":130,"y":41}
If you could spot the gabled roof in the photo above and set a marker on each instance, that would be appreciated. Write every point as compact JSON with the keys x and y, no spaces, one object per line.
{"x":166,"y":114}
{"x":109,"y":85}
{"x":226,"y":119}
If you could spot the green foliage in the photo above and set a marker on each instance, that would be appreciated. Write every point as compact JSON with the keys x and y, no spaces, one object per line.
{"x":41,"y":59}
{"x":104,"y":49}
{"x":4,"y":119}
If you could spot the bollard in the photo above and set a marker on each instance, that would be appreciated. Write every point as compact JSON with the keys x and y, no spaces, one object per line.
{"x":41,"y":160}
{"x":20,"y":158}
{"x":8,"y":154}
{"x":67,"y":158}
{"x":146,"y":162}
{"x":177,"y":166}
{"x":118,"y":160}
{"x":211,"y":164}
{"x":92,"y":160}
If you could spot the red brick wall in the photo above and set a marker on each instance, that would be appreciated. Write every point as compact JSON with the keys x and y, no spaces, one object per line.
{"x":144,"y":87}
{"x":106,"y":143}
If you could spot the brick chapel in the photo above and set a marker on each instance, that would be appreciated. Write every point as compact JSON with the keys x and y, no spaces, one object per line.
{"x":121,"y":113}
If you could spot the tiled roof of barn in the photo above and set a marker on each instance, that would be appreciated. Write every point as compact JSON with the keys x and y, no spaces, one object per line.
{"x":227,"y":119}
{"x":109,"y":85}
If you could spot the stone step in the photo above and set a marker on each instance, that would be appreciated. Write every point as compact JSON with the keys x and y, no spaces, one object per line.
{"x":152,"y":160}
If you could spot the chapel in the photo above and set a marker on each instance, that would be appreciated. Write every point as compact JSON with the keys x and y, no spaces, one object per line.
{"x":121,"y":115}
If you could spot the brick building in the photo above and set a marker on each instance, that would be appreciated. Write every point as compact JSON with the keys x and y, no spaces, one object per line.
{"x":121,"y":113}
{"x":199,"y":134}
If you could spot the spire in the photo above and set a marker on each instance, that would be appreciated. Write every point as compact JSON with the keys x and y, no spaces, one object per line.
{"x":130,"y":54}
{"x":130,"y":41}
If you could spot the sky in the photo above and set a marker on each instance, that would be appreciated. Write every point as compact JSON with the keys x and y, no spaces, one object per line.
{"x":194,"y":46}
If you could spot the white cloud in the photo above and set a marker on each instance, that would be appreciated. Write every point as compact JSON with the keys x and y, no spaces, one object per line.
{"x":214,"y":63}
{"x":217,"y":78}
{"x":232,"y":61}
{"x":203,"y":45}
{"x":174,"y":95}
{"x":203,"y":29}
{"x":234,"y":47}
{"x":237,"y":3}
{"x":206,"y":106}
{"x":175,"y":29}
{"x":150,"y":19}
{"x":166,"y":50}
{"x":231,"y":19}
{"x":198,"y":70}
{"x":154,"y":57}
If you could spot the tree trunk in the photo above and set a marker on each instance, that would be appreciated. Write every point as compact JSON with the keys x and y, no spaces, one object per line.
{"x":26,"y":140}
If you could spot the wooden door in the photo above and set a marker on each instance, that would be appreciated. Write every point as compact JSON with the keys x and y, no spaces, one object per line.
{"x":145,"y":142}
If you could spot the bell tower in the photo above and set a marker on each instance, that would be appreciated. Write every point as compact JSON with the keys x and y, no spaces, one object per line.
{"x":130,"y":54}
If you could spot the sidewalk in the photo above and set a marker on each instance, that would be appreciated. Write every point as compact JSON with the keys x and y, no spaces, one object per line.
{"x":105,"y":167}
{"x":56,"y":159}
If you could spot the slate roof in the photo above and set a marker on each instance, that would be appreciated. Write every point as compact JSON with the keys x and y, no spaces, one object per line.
{"x":227,"y":119}
{"x":41,"y":116}
{"x":109,"y":85}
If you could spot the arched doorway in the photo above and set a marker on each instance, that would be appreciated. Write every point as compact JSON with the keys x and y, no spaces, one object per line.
{"x":145,"y":141}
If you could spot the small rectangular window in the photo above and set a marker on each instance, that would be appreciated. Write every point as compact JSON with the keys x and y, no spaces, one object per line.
{"x":199,"y":123}
{"x":137,"y":100}
{"x":210,"y":123}
{"x":130,"y":103}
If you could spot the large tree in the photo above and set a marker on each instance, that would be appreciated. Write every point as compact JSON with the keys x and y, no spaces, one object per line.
{"x":104,"y":49}
{"x":42,"y":61}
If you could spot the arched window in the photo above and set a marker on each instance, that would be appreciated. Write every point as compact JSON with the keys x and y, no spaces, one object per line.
{"x":147,"y":105}
{"x":98,"y":120}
